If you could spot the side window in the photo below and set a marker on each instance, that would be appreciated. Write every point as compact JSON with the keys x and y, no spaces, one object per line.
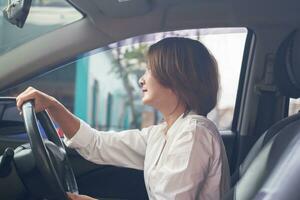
{"x":102,"y":88}
{"x":294,"y":106}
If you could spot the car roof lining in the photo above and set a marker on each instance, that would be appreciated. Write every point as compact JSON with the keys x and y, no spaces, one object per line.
{"x":97,"y":29}
{"x":123,"y":8}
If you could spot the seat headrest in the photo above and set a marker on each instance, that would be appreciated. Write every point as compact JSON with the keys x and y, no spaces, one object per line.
{"x":287,"y":66}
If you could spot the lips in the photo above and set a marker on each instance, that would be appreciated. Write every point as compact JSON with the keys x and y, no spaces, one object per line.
{"x":144,"y":90}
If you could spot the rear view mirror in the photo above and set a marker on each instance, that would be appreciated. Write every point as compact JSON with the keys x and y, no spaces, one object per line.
{"x":17,"y":11}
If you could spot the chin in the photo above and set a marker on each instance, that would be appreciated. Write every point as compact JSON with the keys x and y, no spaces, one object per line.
{"x":146,"y":101}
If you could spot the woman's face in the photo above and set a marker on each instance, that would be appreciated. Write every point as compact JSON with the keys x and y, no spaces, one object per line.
{"x":154,"y":94}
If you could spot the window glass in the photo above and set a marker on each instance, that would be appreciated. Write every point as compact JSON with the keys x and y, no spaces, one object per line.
{"x":44,"y":16}
{"x":102,"y":88}
{"x":294,"y":106}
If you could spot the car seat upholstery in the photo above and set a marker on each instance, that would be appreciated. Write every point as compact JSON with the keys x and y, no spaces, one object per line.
{"x":265,"y":162}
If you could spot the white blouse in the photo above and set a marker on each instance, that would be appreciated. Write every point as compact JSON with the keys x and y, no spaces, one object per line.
{"x":189,"y":162}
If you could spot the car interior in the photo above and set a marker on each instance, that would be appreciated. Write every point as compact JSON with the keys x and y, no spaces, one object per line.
{"x":262,"y":140}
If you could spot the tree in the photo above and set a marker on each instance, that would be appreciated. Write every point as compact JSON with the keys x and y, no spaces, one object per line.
{"x":130,"y":61}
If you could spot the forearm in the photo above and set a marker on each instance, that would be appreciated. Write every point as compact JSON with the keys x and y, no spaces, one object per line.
{"x":64,"y":118}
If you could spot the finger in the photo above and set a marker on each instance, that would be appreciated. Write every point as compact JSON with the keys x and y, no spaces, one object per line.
{"x":22,"y":95}
{"x":28,"y":89}
{"x":25,"y":97}
{"x":19,"y":103}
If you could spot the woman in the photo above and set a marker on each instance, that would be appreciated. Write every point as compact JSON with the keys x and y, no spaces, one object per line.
{"x":183,"y":157}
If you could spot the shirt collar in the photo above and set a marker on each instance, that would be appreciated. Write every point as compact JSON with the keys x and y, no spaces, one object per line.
{"x":174,"y":126}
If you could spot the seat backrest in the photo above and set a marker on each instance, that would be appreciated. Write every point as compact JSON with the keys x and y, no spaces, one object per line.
{"x":271,"y":149}
{"x":284,"y":180}
{"x":260,"y":143}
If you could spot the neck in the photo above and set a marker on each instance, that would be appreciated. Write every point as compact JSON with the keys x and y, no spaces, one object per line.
{"x":171,"y":117}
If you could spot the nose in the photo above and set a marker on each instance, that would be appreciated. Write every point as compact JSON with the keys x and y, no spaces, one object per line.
{"x":141,"y":81}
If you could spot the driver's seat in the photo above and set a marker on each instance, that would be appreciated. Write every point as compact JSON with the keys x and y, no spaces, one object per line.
{"x":268,"y":157}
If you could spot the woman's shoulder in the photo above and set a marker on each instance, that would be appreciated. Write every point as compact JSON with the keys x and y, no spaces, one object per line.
{"x":199,"y":124}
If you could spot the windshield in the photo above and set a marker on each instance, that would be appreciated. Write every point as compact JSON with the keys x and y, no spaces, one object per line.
{"x":44,"y":16}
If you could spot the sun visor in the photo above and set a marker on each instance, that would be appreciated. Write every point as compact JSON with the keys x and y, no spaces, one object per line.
{"x":123,"y":8}
{"x":287,"y":66}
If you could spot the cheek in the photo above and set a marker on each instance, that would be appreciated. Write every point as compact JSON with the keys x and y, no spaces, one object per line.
{"x":154,"y":84}
{"x":160,"y":94}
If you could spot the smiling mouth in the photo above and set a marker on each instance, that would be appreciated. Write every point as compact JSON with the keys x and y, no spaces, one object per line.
{"x":144,"y":90}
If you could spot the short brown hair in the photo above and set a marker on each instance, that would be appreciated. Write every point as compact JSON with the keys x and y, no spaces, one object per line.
{"x":188,"y":68}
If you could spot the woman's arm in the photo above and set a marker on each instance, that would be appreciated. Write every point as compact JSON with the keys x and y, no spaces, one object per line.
{"x":126,"y":148}
{"x":62,"y":116}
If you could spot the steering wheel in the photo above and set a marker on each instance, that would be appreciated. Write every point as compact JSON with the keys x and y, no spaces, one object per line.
{"x":50,"y":155}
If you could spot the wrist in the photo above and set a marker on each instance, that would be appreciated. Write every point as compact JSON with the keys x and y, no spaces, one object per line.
{"x":53,"y":104}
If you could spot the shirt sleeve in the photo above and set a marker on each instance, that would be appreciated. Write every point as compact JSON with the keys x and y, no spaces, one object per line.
{"x":125,"y":148}
{"x":194,"y":158}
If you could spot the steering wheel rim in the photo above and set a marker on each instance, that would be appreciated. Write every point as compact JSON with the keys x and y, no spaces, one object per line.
{"x":46,"y":161}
